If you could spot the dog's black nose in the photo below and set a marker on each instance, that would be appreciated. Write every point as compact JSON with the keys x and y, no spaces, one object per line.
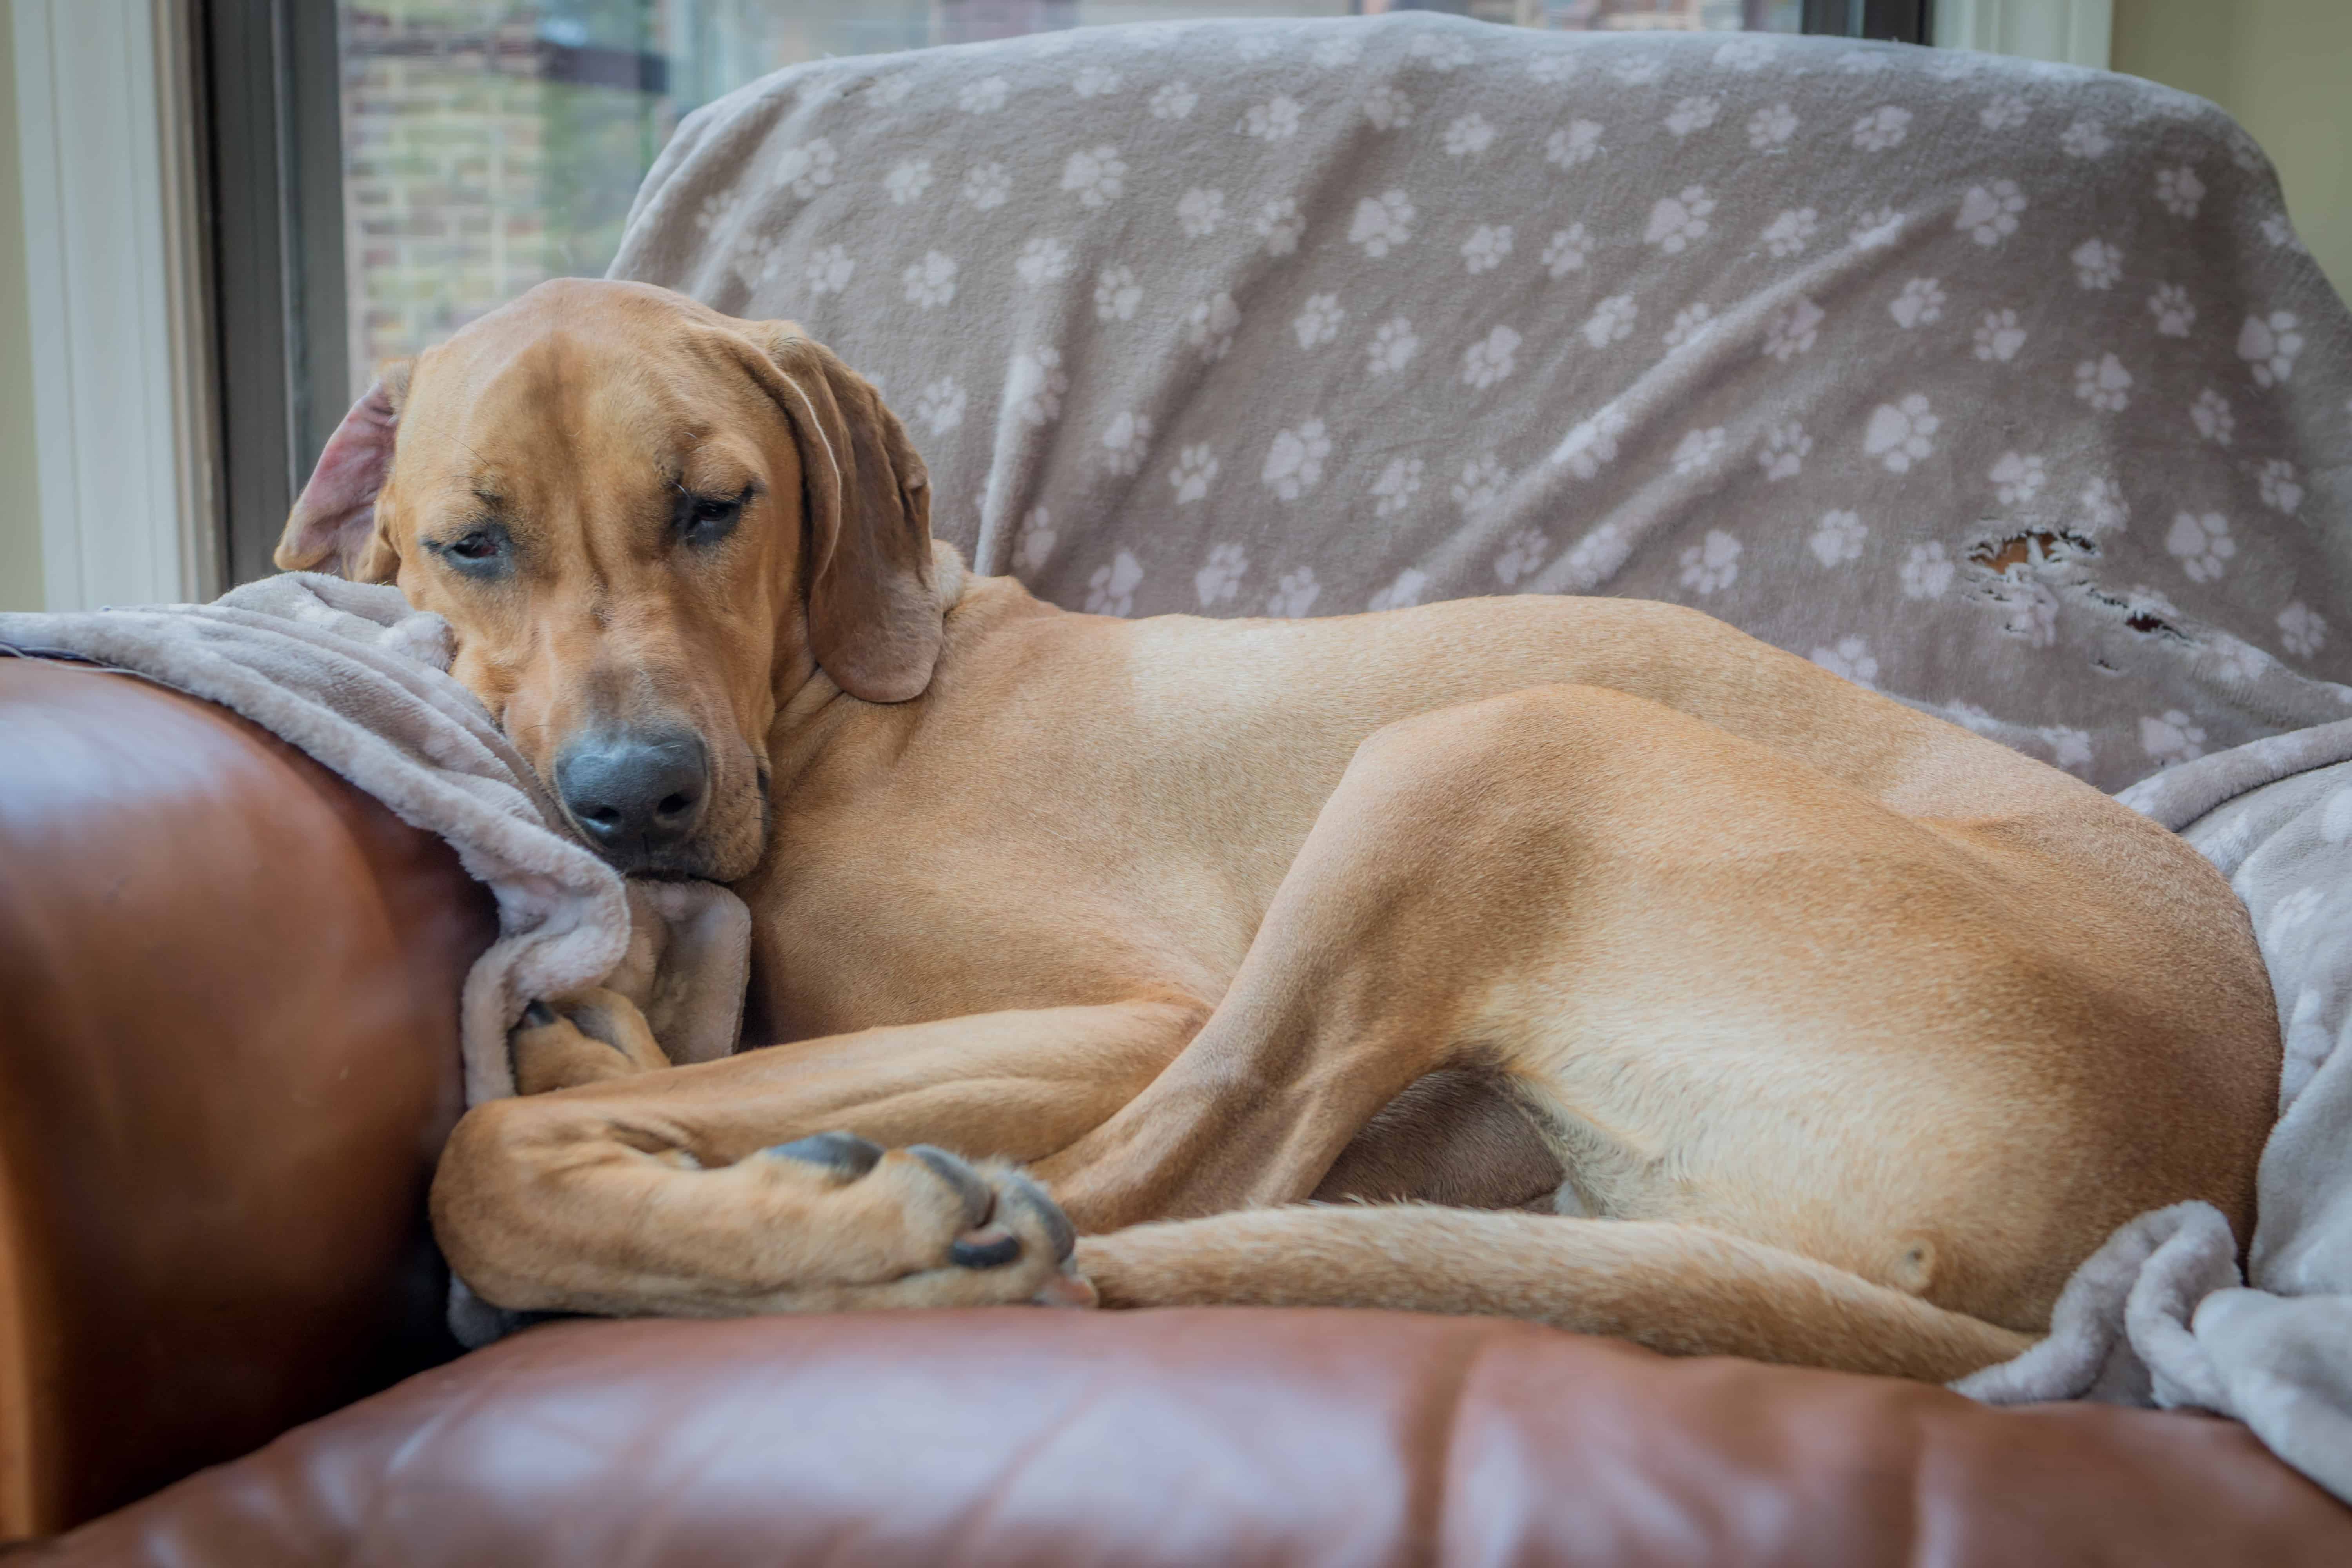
{"x":635,"y":795}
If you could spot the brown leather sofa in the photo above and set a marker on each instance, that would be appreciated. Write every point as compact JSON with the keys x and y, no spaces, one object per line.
{"x":227,"y":1057}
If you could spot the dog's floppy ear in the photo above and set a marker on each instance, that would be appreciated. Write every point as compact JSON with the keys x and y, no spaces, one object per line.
{"x":332,"y":525}
{"x":874,"y":614}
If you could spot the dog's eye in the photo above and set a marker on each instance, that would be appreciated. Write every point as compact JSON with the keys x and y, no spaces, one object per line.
{"x":477,"y":552}
{"x":705,"y":520}
{"x":475,"y":546}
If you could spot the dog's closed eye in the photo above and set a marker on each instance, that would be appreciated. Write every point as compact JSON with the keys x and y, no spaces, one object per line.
{"x":707,"y":520}
{"x":482,"y":550}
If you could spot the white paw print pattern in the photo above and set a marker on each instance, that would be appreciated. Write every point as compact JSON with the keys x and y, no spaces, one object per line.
{"x":1691,"y":114}
{"x":1611,"y":321}
{"x":988,"y":186}
{"x":1552,"y":69}
{"x":1988,"y":211}
{"x":1901,"y":433}
{"x":2086,"y":138}
{"x":1999,"y":337}
{"x":1388,"y":108}
{"x":1876,"y":229}
{"x":829,"y":269}
{"x":1033,"y":543}
{"x":1199,"y":212}
{"x":1220,"y":577}
{"x":1481,"y":485}
{"x":2102,"y":506}
{"x":1883,"y":128}
{"x":1789,"y":332}
{"x":804,"y":170}
{"x":1920,"y":302}
{"x":1394,"y":346}
{"x":1441,"y":51}
{"x":1568,"y":251}
{"x":1195,"y":471}
{"x":891,"y":90}
{"x":2179,"y":191}
{"x":1175,"y":100}
{"x":1042,"y":259}
{"x":1471,"y":134}
{"x":2280,"y":491}
{"x":1294,"y":463}
{"x":1786,"y":235}
{"x":1522,"y":553}
{"x":940,"y":406}
{"x":1277,"y":120}
{"x":1294,"y":594}
{"x":1926,"y":572}
{"x":1402,"y":594}
{"x":1278,"y":224}
{"x":1487,"y":246}
{"x":1746,"y":53}
{"x":1782,"y":456}
{"x":2097,"y":263}
{"x":1398,"y":483}
{"x":1382,"y":223}
{"x":2173,"y":311}
{"x":1636,"y":71}
{"x":2017,"y":478}
{"x":1111,"y":589}
{"x":1769,"y":129}
{"x":1117,"y":294}
{"x":1097,"y":175}
{"x":2028,"y":608}
{"x":1592,"y":443}
{"x":1697,"y":450}
{"x":1578,"y":142}
{"x":1318,"y":322}
{"x":1712,"y":565}
{"x":1595,"y":558}
{"x":907,"y":181}
{"x":2270,"y":344}
{"x":1837,"y":538}
{"x":985,"y":95}
{"x":2303,"y":629}
{"x":1691,"y":323}
{"x":2171,"y":737}
{"x":2006,"y":112}
{"x":2201,"y":542}
{"x":1490,"y":359}
{"x":2069,"y":749}
{"x":1210,"y":326}
{"x":1677,"y":221}
{"x":1095,"y":81}
{"x":2104,"y":383}
{"x":1849,"y":657}
{"x":2211,"y":413}
{"x":931,"y":282}
{"x":1036,"y":385}
{"x":1125,"y":440}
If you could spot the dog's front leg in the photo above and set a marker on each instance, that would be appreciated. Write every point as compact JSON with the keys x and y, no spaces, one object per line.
{"x":801,"y":1177}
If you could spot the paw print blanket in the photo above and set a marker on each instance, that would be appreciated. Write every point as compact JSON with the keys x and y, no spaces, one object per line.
{"x":2005,"y":388}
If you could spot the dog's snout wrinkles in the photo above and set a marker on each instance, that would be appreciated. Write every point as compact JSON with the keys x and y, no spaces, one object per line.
{"x":635,"y":796}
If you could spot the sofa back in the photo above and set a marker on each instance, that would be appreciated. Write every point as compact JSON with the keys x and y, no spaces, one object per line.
{"x":2004,"y":387}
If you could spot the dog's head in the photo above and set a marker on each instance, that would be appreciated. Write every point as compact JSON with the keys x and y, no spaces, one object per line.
{"x":649,"y":525}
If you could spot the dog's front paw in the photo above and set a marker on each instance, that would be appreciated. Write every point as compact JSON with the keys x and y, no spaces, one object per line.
{"x":583,"y":1038}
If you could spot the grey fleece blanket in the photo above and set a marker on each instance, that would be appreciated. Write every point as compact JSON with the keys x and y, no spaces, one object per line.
{"x":355,"y":678}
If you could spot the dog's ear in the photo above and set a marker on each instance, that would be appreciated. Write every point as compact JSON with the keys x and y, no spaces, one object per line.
{"x":332,"y":526}
{"x":874,"y":614}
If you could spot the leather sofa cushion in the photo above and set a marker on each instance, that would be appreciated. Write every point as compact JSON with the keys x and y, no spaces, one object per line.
{"x":1228,"y":1436}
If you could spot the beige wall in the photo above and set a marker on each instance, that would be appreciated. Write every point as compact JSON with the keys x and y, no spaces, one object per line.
{"x":20,"y":503}
{"x":2285,"y":68}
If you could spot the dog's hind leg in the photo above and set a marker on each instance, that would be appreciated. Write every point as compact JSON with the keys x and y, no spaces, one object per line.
{"x":1679,"y":1288}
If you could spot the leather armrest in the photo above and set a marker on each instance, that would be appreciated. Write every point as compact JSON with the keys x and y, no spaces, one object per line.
{"x":228,"y":1058}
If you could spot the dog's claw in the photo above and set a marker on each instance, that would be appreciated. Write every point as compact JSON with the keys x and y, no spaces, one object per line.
{"x":844,"y":1153}
{"x":977,"y":1198}
{"x":991,"y":1248}
{"x":1059,"y":1231}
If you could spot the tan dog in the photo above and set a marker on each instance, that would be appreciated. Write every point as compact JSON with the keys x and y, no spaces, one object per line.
{"x":1822,"y":1031}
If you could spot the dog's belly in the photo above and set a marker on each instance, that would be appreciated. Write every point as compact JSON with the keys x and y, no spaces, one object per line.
{"x":1456,"y":1136}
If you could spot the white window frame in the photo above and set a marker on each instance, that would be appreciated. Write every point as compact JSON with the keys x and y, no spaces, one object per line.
{"x":2077,"y":32}
{"x":114,"y":283}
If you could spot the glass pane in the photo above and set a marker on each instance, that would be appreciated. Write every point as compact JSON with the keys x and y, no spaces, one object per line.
{"x":490,"y":144}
